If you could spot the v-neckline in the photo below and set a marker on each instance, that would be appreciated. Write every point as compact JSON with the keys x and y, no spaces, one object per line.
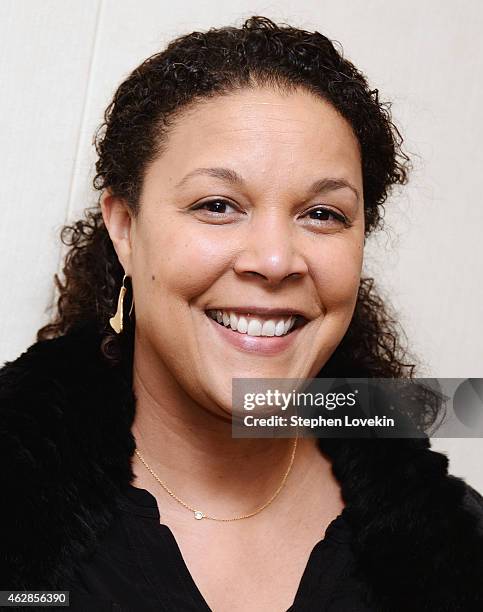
{"x":143,"y":503}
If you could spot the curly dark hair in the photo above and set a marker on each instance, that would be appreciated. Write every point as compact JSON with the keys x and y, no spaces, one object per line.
{"x":135,"y":130}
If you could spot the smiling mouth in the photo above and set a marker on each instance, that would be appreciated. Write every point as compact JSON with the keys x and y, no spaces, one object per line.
{"x":256,"y":325}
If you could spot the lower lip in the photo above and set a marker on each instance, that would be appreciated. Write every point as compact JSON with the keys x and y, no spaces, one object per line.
{"x":264,"y":345}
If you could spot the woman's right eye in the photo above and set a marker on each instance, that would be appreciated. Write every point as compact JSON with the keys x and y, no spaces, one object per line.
{"x":216,"y":206}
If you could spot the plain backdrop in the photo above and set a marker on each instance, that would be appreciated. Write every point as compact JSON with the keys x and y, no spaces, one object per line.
{"x":61,"y":60}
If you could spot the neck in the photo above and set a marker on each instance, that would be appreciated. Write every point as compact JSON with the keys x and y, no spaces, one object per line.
{"x":193,"y":452}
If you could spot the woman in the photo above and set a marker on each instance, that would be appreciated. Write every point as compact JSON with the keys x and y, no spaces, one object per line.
{"x":240,"y":172}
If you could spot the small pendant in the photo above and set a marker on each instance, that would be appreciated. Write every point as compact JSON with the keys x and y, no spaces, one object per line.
{"x":199,"y":515}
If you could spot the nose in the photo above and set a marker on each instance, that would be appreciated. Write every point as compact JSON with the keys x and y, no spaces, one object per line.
{"x":270,"y":252}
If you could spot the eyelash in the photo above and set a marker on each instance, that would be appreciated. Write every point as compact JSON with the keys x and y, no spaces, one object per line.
{"x":339,"y":217}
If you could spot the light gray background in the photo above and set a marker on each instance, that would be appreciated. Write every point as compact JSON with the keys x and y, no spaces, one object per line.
{"x":60,"y":62}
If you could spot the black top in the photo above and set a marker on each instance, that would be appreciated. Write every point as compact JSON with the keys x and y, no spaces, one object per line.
{"x":139,"y":567}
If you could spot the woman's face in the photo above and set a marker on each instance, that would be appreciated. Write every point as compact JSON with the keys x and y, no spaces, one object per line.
{"x":254,"y":211}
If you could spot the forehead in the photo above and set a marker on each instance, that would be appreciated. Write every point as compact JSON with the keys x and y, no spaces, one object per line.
{"x":264,"y":132}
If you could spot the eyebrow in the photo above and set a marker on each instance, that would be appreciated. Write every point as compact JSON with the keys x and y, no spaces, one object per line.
{"x":318,"y":187}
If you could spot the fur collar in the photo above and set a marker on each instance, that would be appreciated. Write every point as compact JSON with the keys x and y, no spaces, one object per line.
{"x":66,"y":447}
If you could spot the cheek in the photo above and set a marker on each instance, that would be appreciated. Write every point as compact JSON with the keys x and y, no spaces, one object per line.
{"x":185,"y":266}
{"x":337,"y":274}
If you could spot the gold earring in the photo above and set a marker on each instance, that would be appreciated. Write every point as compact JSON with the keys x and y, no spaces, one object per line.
{"x":116,"y":321}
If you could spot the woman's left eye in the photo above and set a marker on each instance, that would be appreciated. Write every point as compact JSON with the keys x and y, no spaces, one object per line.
{"x":324,"y":215}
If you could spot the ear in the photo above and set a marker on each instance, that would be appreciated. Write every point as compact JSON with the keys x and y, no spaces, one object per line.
{"x":118,"y":221}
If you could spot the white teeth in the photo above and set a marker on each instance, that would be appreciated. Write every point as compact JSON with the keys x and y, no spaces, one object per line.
{"x":252,"y":325}
{"x":254,"y":328}
{"x":268,"y":328}
{"x":242,"y":325}
{"x":280,"y":327}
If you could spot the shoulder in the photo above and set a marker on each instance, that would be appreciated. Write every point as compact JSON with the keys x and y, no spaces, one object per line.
{"x":40,"y":395}
{"x":58,"y":380}
{"x":57,"y":399}
{"x":48,"y":363}
{"x":35,"y":392}
{"x":473,"y":504}
{"x":413,"y":524}
{"x":65,"y":418}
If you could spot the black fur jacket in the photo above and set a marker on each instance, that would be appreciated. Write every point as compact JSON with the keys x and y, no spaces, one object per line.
{"x":66,"y":448}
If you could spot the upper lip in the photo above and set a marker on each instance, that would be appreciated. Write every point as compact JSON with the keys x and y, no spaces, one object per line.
{"x":262,"y":310}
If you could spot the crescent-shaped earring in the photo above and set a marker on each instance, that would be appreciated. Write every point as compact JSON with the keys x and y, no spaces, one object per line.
{"x":116,"y":322}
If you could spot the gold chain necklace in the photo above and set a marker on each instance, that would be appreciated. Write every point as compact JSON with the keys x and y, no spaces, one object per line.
{"x":198,"y":514}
